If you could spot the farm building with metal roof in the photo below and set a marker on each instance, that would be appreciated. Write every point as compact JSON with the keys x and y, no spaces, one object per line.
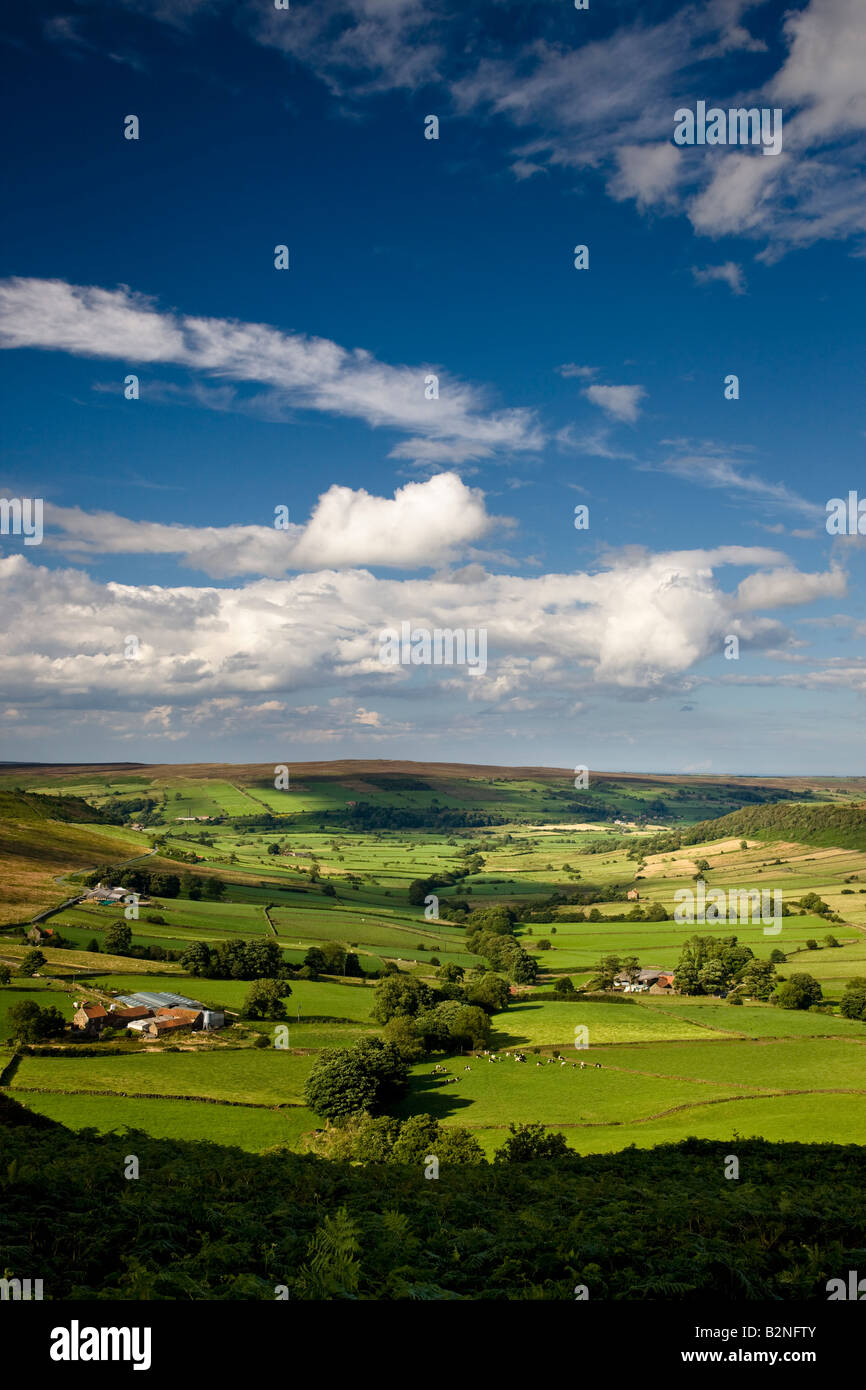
{"x":151,"y":999}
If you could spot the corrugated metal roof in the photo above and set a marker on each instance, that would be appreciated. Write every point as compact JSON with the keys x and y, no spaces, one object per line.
{"x":154,"y":1000}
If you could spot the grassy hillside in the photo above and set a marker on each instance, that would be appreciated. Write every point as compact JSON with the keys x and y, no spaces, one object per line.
{"x":42,"y":837}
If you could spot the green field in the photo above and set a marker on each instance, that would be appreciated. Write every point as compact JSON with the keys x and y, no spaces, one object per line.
{"x":667,"y":1063}
{"x":252,"y":1076}
{"x":42,"y":995}
{"x":243,"y":1127}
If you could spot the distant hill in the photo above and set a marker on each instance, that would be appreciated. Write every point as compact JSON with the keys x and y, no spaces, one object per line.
{"x":819,"y":823}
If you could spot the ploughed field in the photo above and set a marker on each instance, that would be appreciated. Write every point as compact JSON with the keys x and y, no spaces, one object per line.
{"x":656,"y":1069}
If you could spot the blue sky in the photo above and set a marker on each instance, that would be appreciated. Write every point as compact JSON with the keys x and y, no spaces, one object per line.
{"x":306,"y":387}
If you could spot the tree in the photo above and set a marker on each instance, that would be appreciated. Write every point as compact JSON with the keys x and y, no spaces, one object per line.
{"x":196,"y":958}
{"x":329,"y":890}
{"x":565,"y":986}
{"x":164,"y":886}
{"x":853,"y":1004}
{"x":314,"y":961}
{"x":713,"y":976}
{"x":777,"y":957}
{"x":374,"y":1138}
{"x":606,"y":972}
{"x":758,"y":979}
{"x":31,"y":962}
{"x":631,"y":968}
{"x":801,"y":991}
{"x":523,"y":970}
{"x":265,"y":999}
{"x":346,"y":1080}
{"x":28,"y":1023}
{"x":273,"y":849}
{"x":400,"y":994}
{"x":5,"y":974}
{"x":118,"y":938}
{"x":811,"y":944}
{"x":450,"y":973}
{"x":528,"y":1142}
{"x":470,"y":1026}
{"x":490,"y":992}
{"x":403,"y":1032}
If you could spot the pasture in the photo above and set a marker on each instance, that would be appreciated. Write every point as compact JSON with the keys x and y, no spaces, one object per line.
{"x":670,"y":1066}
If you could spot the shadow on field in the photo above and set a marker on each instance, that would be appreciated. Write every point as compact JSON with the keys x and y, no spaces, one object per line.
{"x":434,"y":1096}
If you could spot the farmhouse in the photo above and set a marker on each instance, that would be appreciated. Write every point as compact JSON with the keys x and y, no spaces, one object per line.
{"x":644,"y":980}
{"x":40,"y":935}
{"x":633,"y":895}
{"x":89,"y":1018}
{"x":664,"y":984}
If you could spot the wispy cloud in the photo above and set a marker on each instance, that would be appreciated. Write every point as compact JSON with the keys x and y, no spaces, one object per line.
{"x":309,"y":373}
{"x":729,"y":273}
{"x":717,"y":466}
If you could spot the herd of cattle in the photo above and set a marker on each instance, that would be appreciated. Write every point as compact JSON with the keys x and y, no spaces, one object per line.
{"x":446,"y":1078}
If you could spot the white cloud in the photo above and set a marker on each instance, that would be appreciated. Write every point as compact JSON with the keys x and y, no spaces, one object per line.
{"x":423,"y":524}
{"x":728,"y":273}
{"x":711,"y":466}
{"x":620,"y":402}
{"x":787,"y":587}
{"x":313,"y":373}
{"x":648,"y":173}
{"x":359,"y":46}
{"x":638,"y":625}
{"x":571,"y":369}
{"x":824,"y":74}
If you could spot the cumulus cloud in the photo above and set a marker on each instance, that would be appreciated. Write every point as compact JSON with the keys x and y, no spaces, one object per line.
{"x":620,"y":402}
{"x":639,"y":625}
{"x":312,"y":373}
{"x":423,"y":524}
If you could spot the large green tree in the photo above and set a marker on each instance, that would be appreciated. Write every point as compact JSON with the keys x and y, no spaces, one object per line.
{"x":346,"y":1080}
{"x":800,"y":991}
{"x":118,"y":938}
{"x":265,"y":999}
